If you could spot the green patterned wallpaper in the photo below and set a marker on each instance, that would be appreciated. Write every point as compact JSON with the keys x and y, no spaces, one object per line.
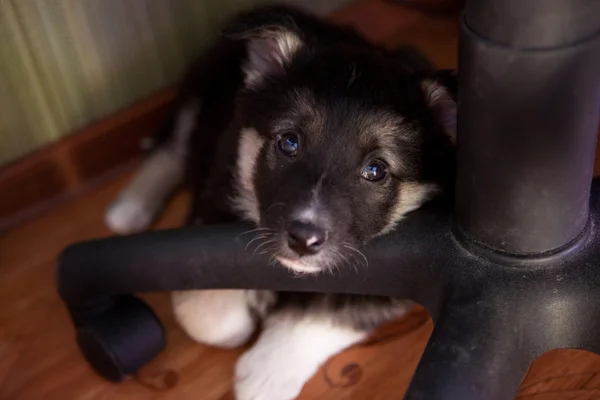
{"x":65,"y":63}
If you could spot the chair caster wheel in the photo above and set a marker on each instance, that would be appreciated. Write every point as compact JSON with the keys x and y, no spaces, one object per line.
{"x":120,"y":340}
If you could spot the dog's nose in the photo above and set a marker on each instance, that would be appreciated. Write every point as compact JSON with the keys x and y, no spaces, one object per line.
{"x":305,"y":238}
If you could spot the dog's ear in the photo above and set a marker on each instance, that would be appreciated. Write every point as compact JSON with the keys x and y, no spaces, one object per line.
{"x":272,"y":38}
{"x":440,"y":93}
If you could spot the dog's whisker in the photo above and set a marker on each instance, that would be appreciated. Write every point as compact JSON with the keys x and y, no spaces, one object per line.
{"x":269,"y":249}
{"x":343,"y":258}
{"x":274,"y":205}
{"x":264,"y":243}
{"x":255,"y":230}
{"x":259,"y":237}
{"x":358,"y":252}
{"x":356,"y":261}
{"x":333,"y":267}
{"x":261,"y":244}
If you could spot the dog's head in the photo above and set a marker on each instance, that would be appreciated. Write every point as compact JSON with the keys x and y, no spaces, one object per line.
{"x":338,"y":143}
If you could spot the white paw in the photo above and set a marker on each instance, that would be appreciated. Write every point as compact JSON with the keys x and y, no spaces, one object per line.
{"x":218,"y":318}
{"x":128,"y":215}
{"x":264,"y":377}
{"x":288,"y":353}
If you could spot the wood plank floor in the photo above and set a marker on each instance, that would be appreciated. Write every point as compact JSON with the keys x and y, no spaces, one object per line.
{"x":39,"y":358}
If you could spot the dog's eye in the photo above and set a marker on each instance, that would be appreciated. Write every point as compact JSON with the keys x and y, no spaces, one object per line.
{"x":288,"y":145}
{"x":374,"y":171}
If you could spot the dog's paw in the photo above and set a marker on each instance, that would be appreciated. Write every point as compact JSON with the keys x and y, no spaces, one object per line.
{"x":128,"y":215}
{"x":218,"y":318}
{"x":287,"y":354}
{"x":260,"y":377}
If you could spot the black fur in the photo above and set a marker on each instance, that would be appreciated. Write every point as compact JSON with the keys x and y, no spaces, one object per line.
{"x":337,"y":93}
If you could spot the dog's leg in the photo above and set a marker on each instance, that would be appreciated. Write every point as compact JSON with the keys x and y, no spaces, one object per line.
{"x":288,"y":353}
{"x":220,"y":318}
{"x":161,"y":173}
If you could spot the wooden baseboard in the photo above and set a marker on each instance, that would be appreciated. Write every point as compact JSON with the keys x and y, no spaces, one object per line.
{"x":41,"y":179}
{"x":64,"y":167}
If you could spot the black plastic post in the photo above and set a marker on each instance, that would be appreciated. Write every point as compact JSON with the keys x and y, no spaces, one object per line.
{"x":529,"y":101}
{"x":482,"y":359}
{"x":528,"y":120}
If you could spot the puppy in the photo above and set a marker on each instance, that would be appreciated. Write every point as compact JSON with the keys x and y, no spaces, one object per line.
{"x":321,"y":139}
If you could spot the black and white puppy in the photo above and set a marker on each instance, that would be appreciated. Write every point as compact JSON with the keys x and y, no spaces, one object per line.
{"x":321,"y":139}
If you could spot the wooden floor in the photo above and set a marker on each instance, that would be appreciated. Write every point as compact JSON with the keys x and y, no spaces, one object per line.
{"x":39,"y":358}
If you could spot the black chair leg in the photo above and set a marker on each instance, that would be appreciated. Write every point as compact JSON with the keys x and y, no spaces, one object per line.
{"x":463,"y":360}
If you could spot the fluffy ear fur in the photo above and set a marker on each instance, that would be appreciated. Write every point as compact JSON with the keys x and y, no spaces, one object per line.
{"x":272,"y":38}
{"x":440,"y":93}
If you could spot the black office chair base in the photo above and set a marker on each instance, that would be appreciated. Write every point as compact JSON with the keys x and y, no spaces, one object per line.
{"x":517,"y":276}
{"x":491,"y":320}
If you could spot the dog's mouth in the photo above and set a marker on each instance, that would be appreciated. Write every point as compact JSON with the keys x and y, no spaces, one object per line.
{"x":276,"y":244}
{"x":302,"y":264}
{"x":298,"y":266}
{"x":329,"y":259}
{"x":304,"y":258}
